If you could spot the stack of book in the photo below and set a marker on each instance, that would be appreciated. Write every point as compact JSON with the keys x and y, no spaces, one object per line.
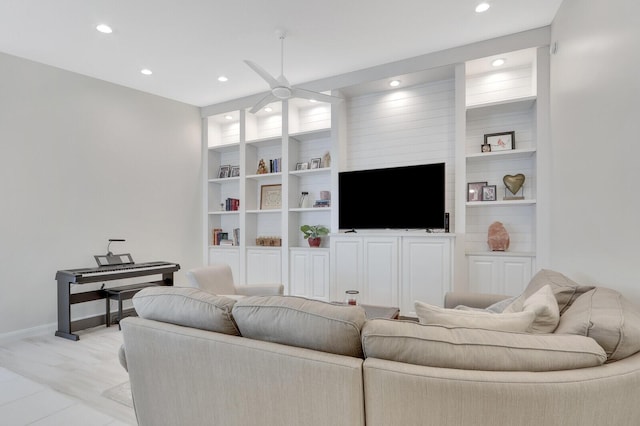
{"x":232,"y":204}
{"x":274,"y":165}
{"x":218,"y":235}
{"x":322,"y":203}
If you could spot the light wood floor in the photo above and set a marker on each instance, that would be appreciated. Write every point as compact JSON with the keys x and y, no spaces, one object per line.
{"x":48,"y":380}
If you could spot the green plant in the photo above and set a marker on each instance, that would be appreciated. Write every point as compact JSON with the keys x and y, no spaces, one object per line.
{"x":314,"y":231}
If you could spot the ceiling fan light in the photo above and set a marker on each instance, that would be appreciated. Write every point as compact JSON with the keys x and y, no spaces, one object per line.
{"x":281,"y":92}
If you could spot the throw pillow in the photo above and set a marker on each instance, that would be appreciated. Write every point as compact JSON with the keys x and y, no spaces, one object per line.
{"x":474,"y":349}
{"x":516,"y":321}
{"x":606,"y":316}
{"x":565,"y":290}
{"x":186,"y":306}
{"x":543,"y":303}
{"x":301,"y":322}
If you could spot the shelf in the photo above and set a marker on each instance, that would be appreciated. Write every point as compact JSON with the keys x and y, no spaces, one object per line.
{"x":225,"y":148}
{"x":311,"y":249}
{"x":264,"y":176}
{"x":310,"y":171}
{"x":264,"y":211}
{"x":310,"y":209}
{"x":270,"y":141}
{"x":224,"y":180}
{"x":501,"y":203}
{"x":503,"y":106}
{"x":224,"y":212}
{"x":501,"y":253}
{"x":224,"y":247}
{"x":514,"y":154}
{"x":311,"y":134}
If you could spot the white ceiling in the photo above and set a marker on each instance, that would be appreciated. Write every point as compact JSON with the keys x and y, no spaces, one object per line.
{"x":189,"y":43}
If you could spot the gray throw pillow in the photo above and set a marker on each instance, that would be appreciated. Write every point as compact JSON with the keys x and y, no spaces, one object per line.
{"x":186,"y":306}
{"x":301,"y":322}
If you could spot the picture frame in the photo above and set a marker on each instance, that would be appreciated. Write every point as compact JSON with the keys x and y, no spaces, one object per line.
{"x":223,"y":171}
{"x":501,"y":141}
{"x":489,"y":193}
{"x":299,"y":166}
{"x":271,"y":197}
{"x":235,"y":171}
{"x":315,"y":163}
{"x":485,"y":147}
{"x":474,"y":191}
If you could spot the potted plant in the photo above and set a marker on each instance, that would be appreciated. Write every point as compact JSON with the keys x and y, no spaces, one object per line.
{"x":312,"y":233}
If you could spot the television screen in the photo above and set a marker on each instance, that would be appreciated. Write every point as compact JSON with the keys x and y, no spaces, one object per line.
{"x":409,"y":197}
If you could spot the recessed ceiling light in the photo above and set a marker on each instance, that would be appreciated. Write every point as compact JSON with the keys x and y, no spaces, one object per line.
{"x":228,"y":117}
{"x":312,"y":100}
{"x":222,"y":78}
{"x":498,"y":62}
{"x":394,"y":83}
{"x":146,"y":71}
{"x":103,"y":28}
{"x":482,"y":7}
{"x":268,"y":109}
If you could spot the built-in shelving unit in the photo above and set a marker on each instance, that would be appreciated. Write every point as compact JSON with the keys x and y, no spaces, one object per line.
{"x":502,"y":100}
{"x":293,"y":133}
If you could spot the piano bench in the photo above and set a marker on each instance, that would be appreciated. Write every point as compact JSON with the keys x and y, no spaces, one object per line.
{"x":120,"y":294}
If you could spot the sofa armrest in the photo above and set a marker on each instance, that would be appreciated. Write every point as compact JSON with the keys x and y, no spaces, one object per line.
{"x":260,"y":290}
{"x":472,"y":300}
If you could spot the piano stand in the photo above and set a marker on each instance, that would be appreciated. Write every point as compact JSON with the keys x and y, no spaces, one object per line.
{"x":122,"y":293}
{"x":65,"y":278}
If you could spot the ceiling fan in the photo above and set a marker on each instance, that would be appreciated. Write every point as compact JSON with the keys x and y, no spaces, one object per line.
{"x":281,"y":89}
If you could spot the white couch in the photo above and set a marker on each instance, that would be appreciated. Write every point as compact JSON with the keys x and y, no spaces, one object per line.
{"x":199,"y":359}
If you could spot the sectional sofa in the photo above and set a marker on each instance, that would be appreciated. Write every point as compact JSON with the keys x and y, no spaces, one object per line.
{"x":195,"y":358}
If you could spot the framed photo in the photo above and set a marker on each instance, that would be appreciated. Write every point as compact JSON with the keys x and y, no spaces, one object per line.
{"x":235,"y":171}
{"x":315,"y":163}
{"x":223,"y":172}
{"x":486,"y":147}
{"x":474,"y":191}
{"x":489,"y":193}
{"x":500,"y":141}
{"x":299,"y":166}
{"x":270,"y":197}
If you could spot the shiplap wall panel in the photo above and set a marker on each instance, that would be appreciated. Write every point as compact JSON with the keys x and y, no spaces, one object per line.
{"x":497,"y":86}
{"x":311,"y":118}
{"x":404,"y":127}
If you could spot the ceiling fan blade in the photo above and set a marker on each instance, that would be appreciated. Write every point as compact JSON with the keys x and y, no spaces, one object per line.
{"x":320,"y":97}
{"x":262,"y":73}
{"x":262,"y":102}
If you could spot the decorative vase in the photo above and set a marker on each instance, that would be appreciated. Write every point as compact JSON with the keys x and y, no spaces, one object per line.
{"x":314,"y":242}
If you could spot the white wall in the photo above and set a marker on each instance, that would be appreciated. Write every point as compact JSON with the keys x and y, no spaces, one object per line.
{"x":595,"y":123}
{"x":82,"y":161}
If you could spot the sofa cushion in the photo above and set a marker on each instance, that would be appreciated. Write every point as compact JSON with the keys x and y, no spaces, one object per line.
{"x":565,"y":290}
{"x":477,"y":349}
{"x":515,"y":321}
{"x":606,"y":316}
{"x":306,"y":323}
{"x":186,"y":306}
{"x":543,"y":304}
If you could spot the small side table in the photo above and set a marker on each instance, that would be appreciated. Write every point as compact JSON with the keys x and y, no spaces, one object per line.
{"x":122,"y":293}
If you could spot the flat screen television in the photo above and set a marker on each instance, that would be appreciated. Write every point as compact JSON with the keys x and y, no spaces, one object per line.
{"x":409,"y":197}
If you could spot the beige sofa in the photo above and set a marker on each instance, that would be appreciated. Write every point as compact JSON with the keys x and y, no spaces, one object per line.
{"x":198,"y":359}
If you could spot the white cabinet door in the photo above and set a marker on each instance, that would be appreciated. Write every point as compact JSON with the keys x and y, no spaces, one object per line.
{"x":309,"y":273}
{"x":346,"y":266}
{"x":499,"y":274}
{"x":264,"y":266}
{"x":380,"y":286}
{"x":230,"y":256}
{"x":426,"y":272}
